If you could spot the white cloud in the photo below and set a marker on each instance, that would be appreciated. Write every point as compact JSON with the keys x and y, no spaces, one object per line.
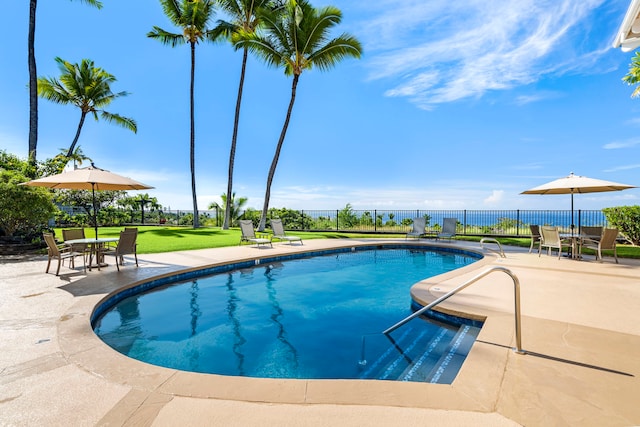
{"x":622,"y":144}
{"x":495,"y":198}
{"x":622,"y":168}
{"x":464,"y":49}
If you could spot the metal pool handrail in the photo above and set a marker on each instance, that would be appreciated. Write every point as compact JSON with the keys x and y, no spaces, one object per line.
{"x":516,"y":294}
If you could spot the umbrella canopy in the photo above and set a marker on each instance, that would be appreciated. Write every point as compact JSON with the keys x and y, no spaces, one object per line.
{"x":577,"y":184}
{"x":89,"y":178}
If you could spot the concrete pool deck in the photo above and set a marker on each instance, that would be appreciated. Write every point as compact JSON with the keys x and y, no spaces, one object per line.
{"x":580,"y":328}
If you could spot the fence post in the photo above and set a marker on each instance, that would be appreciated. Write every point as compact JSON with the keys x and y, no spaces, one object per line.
{"x":518,"y":222}
{"x":337,"y":220}
{"x":375,"y":220}
{"x":464,"y":226}
{"x":579,"y":220}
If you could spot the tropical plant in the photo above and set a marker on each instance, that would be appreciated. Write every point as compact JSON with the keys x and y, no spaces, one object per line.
{"x":347,"y":218}
{"x":633,"y":77}
{"x":11,"y":162}
{"x":235,"y":205}
{"x":84,"y":199}
{"x":23,"y":209}
{"x":627,"y":220}
{"x":57,"y":163}
{"x":292,"y":218}
{"x":140,"y":201}
{"x":33,"y":77}
{"x":192,"y":16}
{"x":245,"y":19}
{"x":297,"y":39}
{"x":88,"y":88}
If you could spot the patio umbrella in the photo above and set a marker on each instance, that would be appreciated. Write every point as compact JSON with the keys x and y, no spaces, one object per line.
{"x":89,"y":178}
{"x":577,"y":184}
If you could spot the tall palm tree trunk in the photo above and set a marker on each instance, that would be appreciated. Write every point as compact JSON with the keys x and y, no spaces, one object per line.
{"x":232,"y":153}
{"x":196,"y":219}
{"x":33,"y":84}
{"x":75,"y":139}
{"x":276,"y":157}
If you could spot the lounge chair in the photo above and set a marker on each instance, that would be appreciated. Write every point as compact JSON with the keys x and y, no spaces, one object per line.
{"x":448,"y":228}
{"x":550,"y":239}
{"x":126,"y":246}
{"x":535,"y":237}
{"x":607,"y":241}
{"x":249,"y":234}
{"x":61,"y":252}
{"x":419,"y":228}
{"x":278,"y":232}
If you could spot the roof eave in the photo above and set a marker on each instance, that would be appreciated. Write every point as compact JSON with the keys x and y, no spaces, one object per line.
{"x":626,"y":39}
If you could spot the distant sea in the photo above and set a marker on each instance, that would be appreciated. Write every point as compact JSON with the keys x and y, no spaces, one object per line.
{"x":488,"y":218}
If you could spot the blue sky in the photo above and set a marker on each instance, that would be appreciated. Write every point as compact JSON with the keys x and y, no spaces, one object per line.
{"x":454,"y":105}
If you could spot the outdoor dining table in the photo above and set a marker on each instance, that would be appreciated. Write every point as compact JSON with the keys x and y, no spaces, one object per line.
{"x":97,"y":245}
{"x":574,"y":243}
{"x":575,"y":238}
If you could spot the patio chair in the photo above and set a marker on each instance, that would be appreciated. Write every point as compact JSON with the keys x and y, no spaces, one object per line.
{"x":419,"y":228}
{"x":535,"y":237}
{"x":448,"y":228}
{"x":73,"y":234}
{"x":278,"y":232}
{"x":607,"y":241}
{"x":61,"y":252}
{"x":249,"y":234}
{"x":126,"y":246}
{"x":550,"y":239}
{"x":591,"y":232}
{"x":133,"y":230}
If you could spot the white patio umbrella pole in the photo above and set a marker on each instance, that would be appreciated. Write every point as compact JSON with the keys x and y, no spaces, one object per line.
{"x":572,"y":223}
{"x":95,"y":213}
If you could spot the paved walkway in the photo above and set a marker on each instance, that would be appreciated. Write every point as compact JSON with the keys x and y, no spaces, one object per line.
{"x":580,"y":329}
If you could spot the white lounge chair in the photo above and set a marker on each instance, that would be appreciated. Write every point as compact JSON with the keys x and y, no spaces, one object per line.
{"x":419,"y":228}
{"x":278,"y":232}
{"x":448,"y":228}
{"x":249,"y":234}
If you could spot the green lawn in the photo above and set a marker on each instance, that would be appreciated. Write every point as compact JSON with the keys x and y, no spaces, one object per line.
{"x":154,"y":239}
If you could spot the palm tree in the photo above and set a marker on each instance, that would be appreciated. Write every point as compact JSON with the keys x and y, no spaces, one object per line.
{"x":245,"y":17}
{"x":88,"y":88}
{"x":33,"y":77}
{"x":192,"y":16}
{"x":633,"y":77}
{"x":236,"y":205}
{"x":61,"y":160}
{"x":298,"y":39}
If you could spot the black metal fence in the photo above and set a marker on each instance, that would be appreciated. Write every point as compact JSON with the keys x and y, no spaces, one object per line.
{"x":470,"y":222}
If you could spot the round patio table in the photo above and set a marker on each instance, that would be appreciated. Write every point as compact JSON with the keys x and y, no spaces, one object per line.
{"x":97,"y":248}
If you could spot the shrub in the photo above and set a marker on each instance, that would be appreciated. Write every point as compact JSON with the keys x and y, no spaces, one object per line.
{"x":23,"y":210}
{"x":627,"y":220}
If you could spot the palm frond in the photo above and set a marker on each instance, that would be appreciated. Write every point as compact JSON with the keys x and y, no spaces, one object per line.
{"x":173,"y":10}
{"x":95,"y":3}
{"x":166,"y":38}
{"x":119,"y":120}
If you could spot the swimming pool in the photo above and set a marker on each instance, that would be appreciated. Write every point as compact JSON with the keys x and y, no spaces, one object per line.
{"x":314,"y":317}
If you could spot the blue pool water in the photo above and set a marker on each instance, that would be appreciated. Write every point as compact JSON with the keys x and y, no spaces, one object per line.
{"x":315,"y":317}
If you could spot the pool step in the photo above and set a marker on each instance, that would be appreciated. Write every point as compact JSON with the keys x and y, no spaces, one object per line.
{"x":424,"y":355}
